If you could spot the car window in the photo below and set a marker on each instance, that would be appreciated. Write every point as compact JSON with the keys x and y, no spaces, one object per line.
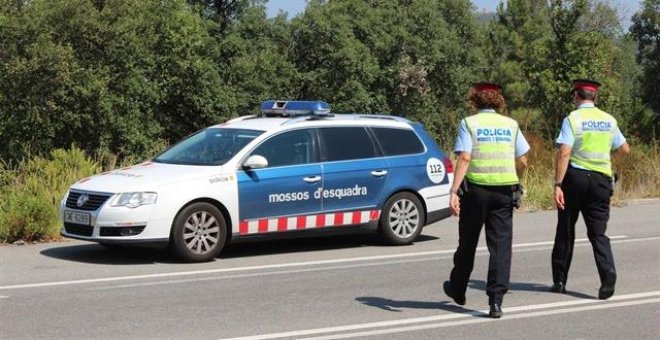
{"x":398,"y":141}
{"x":212,"y":146}
{"x":289,"y":148}
{"x":344,"y":143}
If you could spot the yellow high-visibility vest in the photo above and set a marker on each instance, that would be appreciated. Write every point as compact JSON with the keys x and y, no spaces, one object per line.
{"x":493,"y":157}
{"x":594,"y":132}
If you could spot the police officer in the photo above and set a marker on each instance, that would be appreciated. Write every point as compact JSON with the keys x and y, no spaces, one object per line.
{"x":491,"y":156}
{"x":583,"y":183}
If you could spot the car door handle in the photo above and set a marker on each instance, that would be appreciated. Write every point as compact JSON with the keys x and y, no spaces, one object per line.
{"x":312,"y":179}
{"x":379,"y":173}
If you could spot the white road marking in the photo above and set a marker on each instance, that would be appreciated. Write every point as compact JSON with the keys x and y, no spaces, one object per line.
{"x":279,"y":272}
{"x":3,"y":296}
{"x":480,"y":252}
{"x":473,"y":321}
{"x":615,"y":239}
{"x":472,"y":317}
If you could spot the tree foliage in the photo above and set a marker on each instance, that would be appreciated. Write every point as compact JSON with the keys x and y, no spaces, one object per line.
{"x":646,"y":32}
{"x":537,"y":47}
{"x":412,"y":58}
{"x":128,"y":77}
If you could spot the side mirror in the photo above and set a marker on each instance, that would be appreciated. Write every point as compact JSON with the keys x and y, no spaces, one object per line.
{"x":255,"y":162}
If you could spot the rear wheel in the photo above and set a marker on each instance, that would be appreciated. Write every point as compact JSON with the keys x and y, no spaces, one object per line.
{"x":199,"y":232}
{"x":402,"y":218}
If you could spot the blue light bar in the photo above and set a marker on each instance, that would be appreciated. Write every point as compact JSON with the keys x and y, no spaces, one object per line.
{"x":294,"y":108}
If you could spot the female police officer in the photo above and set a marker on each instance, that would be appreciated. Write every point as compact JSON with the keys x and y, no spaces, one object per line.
{"x":491,"y":156}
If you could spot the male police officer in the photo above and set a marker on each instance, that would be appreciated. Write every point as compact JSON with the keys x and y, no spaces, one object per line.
{"x":487,"y":146}
{"x":583,"y":183}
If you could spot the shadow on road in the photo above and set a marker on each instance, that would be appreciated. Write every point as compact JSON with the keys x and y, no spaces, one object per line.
{"x":529,"y":287}
{"x":97,"y":254}
{"x":397,"y":306}
{"x":308,"y":244}
{"x":119,"y":255}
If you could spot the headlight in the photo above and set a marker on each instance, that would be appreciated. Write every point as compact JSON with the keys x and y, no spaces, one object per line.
{"x":134,"y":199}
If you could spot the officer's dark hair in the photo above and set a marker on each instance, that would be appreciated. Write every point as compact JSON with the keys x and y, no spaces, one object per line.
{"x":479,"y":100}
{"x":585,"y":95}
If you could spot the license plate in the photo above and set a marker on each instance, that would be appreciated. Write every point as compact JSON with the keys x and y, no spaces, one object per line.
{"x":76,"y":217}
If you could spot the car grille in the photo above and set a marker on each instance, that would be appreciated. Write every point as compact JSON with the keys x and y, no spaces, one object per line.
{"x":93,"y":203}
{"x":78,"y":229}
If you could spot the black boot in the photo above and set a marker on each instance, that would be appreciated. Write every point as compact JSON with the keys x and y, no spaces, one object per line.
{"x":558,"y":287}
{"x":495,"y":310}
{"x":459,"y":299}
{"x":607,"y":287}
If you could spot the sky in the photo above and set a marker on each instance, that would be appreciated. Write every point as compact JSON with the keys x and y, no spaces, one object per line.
{"x":626,"y":7}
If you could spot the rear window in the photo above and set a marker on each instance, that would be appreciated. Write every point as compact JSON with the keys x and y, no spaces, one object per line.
{"x":344,"y":143}
{"x":398,"y":141}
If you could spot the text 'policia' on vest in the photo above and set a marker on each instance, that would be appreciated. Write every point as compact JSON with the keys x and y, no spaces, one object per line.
{"x":493,"y":149}
{"x":593,"y":130}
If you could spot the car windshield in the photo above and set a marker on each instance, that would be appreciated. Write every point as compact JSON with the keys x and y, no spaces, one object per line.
{"x":212,"y":146}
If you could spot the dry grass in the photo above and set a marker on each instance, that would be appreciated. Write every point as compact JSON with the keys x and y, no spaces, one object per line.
{"x":639,"y":174}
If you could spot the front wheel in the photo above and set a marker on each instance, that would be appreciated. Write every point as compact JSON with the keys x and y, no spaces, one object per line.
{"x":199,"y":232}
{"x":402,"y":219}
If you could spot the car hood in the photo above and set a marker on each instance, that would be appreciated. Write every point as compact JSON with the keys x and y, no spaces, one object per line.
{"x":147,"y":176}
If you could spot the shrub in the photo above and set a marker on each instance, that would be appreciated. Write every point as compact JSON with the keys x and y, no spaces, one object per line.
{"x":29,"y":217}
{"x":31,"y":193}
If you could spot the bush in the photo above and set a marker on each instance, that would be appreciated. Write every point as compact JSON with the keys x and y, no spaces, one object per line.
{"x":29,"y":217}
{"x":31,"y":193}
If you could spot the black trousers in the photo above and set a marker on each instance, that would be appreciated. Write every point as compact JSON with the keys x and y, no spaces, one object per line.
{"x":492,"y":206}
{"x":588,"y":192}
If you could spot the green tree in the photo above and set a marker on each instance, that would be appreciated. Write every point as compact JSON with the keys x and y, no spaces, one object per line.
{"x":224,"y":12}
{"x":414,"y":58}
{"x":255,"y":61}
{"x":646,"y":32}
{"x":535,"y":48}
{"x":121,"y":76}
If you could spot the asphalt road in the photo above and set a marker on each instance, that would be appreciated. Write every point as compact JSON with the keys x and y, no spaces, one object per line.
{"x":329,"y":288}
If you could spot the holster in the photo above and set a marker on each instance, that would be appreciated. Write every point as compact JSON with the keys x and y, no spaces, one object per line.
{"x":517,"y":195}
{"x":463,"y":189}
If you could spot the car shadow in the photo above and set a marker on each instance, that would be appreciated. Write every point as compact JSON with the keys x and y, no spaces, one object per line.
{"x":529,"y":287}
{"x":398,"y":305}
{"x":97,"y":254}
{"x":308,"y":244}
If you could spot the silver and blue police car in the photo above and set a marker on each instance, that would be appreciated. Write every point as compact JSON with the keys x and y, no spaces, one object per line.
{"x":293,"y":169}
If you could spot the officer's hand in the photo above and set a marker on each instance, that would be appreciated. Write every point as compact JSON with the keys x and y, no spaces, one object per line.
{"x":559,"y":198}
{"x":455,"y":204}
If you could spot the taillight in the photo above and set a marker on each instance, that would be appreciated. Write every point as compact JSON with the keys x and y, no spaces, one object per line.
{"x":449,"y":166}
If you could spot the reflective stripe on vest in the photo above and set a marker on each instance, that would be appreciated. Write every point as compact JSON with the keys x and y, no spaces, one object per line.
{"x":594,"y":131}
{"x":493,"y":149}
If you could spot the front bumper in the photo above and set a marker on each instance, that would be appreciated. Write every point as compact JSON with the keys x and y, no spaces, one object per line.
{"x":110,"y":224}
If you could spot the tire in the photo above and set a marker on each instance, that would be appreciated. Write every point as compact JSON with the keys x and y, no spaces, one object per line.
{"x":401,"y":219}
{"x":199,"y":233}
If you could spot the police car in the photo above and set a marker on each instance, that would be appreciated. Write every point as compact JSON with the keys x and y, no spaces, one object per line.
{"x":293,"y":169}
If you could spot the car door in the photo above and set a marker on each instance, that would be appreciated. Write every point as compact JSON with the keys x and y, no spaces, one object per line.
{"x":354,"y":175}
{"x":280,"y":196}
